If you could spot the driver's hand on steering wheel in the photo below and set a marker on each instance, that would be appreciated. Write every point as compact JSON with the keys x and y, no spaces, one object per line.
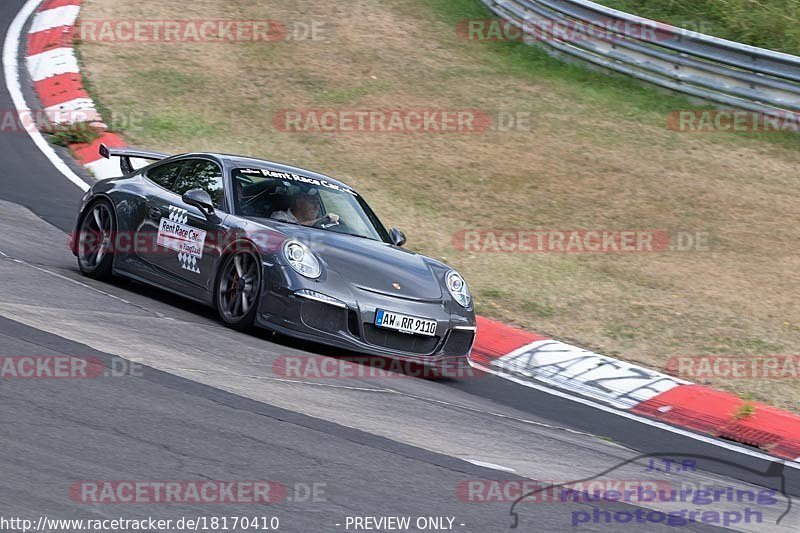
{"x":330,"y":219}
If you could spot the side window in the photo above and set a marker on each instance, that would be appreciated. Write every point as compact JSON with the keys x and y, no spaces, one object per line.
{"x":165,"y":175}
{"x":202,"y":174}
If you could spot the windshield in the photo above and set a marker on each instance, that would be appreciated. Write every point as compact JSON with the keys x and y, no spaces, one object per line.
{"x":295,"y":199}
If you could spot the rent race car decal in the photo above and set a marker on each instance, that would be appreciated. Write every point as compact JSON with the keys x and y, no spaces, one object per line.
{"x":295,"y":177}
{"x":175,"y":234}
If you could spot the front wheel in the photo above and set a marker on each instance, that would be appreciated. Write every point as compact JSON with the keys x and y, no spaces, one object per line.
{"x":238,"y":289}
{"x":95,"y":235}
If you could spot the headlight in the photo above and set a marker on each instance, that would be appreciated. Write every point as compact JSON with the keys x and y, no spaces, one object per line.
{"x":458,"y":288}
{"x":301,"y":259}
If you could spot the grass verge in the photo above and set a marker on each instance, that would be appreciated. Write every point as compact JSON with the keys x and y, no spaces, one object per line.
{"x":769,"y":24}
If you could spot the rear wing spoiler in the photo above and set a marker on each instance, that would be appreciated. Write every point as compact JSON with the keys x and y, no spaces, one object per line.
{"x":125,"y":155}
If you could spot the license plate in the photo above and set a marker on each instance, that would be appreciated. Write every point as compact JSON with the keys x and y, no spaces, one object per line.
{"x":405,"y":323}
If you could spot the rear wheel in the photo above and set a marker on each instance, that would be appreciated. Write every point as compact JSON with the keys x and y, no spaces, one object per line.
{"x":238,"y":289}
{"x":95,"y":234}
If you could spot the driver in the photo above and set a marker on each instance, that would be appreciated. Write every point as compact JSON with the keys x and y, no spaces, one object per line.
{"x":239,"y":198}
{"x":305,"y":210}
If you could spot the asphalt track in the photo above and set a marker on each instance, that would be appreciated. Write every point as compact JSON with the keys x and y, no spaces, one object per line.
{"x":204,"y":403}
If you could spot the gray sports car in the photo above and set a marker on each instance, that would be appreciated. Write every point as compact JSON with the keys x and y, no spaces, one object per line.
{"x":273,"y":245}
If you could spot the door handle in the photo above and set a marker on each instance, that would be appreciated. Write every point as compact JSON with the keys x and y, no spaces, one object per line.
{"x":154,"y":213}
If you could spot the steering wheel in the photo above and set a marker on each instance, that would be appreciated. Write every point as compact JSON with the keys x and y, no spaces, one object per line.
{"x":327,"y":221}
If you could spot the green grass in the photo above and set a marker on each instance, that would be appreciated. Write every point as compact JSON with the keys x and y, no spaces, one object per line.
{"x":79,"y":132}
{"x":744,"y":411}
{"x":748,"y":345}
{"x":538,"y":309}
{"x":168,"y":81}
{"x":169,"y":125}
{"x":493,"y":294}
{"x":347,"y":95}
{"x":621,"y":332}
{"x":601,"y":88}
{"x":769,"y":24}
{"x":532,"y":62}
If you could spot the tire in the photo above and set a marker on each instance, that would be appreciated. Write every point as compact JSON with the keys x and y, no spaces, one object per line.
{"x":95,"y":239}
{"x":238,"y":289}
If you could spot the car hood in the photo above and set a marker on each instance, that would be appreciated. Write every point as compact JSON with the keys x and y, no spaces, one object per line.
{"x":382,"y":268}
{"x":373,"y":266}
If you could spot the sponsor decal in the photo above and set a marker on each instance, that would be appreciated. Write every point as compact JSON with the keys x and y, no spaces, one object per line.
{"x":291,"y":176}
{"x":175,"y":234}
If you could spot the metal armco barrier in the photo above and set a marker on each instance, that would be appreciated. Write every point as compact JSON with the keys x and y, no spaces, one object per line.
{"x":721,"y":71}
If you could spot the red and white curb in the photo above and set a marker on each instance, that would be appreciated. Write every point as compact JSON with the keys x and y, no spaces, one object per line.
{"x":508,"y":352}
{"x":528,"y":358}
{"x":53,"y":68}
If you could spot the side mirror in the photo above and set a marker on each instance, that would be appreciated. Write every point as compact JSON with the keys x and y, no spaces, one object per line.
{"x":398,"y":237}
{"x":201,"y":200}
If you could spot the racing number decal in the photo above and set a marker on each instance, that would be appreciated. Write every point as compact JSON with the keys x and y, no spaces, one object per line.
{"x":175,"y":234}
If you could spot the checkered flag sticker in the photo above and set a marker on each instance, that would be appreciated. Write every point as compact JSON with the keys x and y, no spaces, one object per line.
{"x":188,"y":262}
{"x":176,"y":214}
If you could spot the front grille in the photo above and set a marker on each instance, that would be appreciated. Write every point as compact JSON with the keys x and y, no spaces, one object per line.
{"x":323,"y":317}
{"x":402,"y":342}
{"x":459,"y":342}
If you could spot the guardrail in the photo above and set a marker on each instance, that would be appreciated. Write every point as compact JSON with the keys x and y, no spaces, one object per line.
{"x":721,"y":71}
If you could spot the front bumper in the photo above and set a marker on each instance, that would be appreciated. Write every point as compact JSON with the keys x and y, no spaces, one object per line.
{"x":349,"y":324}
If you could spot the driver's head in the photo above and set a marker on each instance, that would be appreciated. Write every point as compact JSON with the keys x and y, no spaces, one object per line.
{"x":306,"y":206}
{"x":238,"y":189}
